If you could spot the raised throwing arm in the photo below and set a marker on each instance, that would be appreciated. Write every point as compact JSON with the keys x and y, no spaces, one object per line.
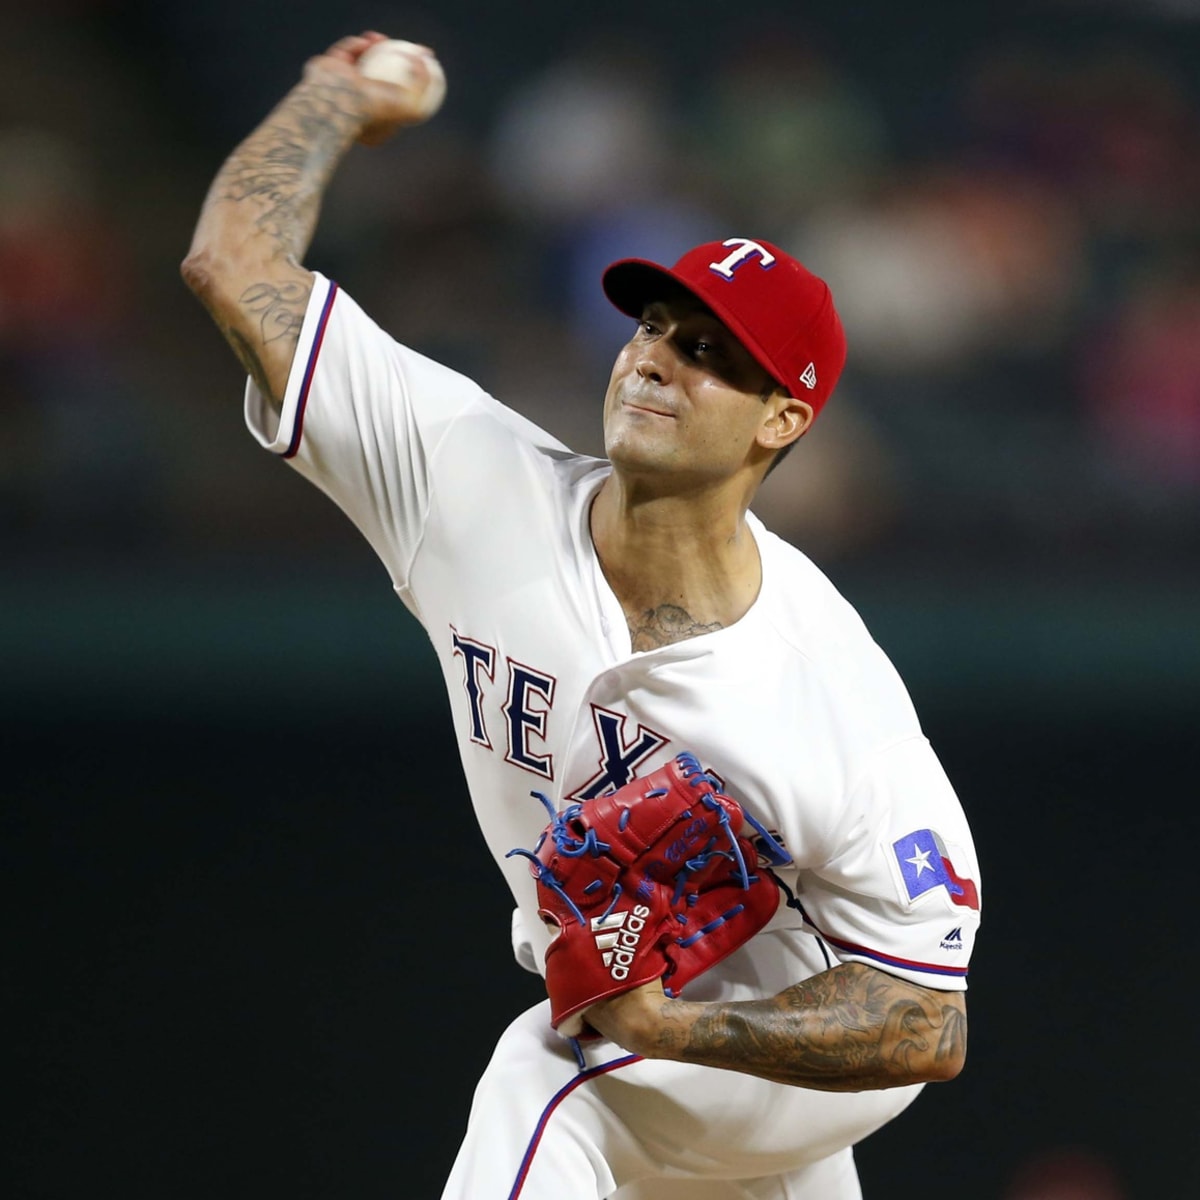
{"x":849,"y":1029}
{"x":245,"y":261}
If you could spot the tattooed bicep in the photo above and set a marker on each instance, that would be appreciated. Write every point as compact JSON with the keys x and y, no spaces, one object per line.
{"x":278,"y":309}
{"x":263,"y":331}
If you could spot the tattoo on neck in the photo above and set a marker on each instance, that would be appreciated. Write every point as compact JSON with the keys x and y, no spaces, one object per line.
{"x":665,"y":625}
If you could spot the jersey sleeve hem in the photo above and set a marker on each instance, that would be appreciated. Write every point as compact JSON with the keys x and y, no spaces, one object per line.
{"x":944,"y":977}
{"x":281,"y":432}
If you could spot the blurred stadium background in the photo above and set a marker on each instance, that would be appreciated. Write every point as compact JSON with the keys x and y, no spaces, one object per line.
{"x":222,"y":735}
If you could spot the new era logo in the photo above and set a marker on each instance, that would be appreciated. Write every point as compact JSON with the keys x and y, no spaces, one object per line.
{"x":809,"y":377}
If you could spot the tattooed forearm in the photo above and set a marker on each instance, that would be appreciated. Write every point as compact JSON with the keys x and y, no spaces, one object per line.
{"x":849,"y":1029}
{"x":663,"y":626}
{"x":281,"y":170}
{"x":258,"y":219}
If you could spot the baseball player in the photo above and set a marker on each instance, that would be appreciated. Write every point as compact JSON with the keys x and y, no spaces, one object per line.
{"x":594,"y":619}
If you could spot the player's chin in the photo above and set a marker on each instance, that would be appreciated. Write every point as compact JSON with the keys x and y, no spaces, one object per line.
{"x":643,"y":445}
{"x":637,"y":459}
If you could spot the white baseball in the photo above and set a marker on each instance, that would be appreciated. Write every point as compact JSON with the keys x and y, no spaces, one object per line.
{"x":395,"y":61}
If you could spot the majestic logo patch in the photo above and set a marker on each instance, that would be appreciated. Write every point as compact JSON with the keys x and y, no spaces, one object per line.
{"x":617,"y":936}
{"x":953,"y":940}
{"x":924,"y":864}
{"x":808,"y":376}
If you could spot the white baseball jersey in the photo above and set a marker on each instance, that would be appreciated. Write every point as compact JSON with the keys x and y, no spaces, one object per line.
{"x":482,"y":521}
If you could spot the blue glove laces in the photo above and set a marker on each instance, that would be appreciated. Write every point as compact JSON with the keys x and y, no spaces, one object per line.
{"x":570,"y":843}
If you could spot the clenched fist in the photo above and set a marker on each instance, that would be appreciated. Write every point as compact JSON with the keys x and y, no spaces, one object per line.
{"x":387,"y":104}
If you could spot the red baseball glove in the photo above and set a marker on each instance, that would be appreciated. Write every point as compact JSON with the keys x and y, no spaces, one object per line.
{"x":655,"y":880}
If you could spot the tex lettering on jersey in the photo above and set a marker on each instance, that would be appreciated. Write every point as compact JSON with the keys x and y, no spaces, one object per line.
{"x":925,"y":864}
{"x":620,"y":754}
{"x":524,"y":719}
{"x":525,"y":711}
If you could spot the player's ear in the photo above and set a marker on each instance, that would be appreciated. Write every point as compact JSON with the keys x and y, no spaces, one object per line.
{"x":785,"y":418}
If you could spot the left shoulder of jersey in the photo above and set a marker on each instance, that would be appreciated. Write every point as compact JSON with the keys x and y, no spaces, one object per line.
{"x":801,"y":601}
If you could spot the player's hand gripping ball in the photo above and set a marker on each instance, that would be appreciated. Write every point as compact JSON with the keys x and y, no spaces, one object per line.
{"x":412,"y":67}
{"x":654,"y":881}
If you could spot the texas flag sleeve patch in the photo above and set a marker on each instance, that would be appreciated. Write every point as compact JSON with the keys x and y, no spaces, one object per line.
{"x":924,"y":864}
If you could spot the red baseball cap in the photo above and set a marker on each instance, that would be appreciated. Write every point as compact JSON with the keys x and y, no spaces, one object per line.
{"x":778,"y":309}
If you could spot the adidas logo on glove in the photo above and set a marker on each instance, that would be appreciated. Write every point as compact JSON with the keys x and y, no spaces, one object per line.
{"x":617,"y":936}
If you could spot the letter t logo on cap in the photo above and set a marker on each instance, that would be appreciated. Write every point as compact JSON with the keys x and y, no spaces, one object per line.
{"x":746,"y":250}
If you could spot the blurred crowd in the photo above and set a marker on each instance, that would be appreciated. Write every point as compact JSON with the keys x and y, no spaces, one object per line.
{"x":1011,"y":229}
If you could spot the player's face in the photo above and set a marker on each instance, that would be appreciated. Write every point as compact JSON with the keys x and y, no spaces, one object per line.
{"x":685,"y":395}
